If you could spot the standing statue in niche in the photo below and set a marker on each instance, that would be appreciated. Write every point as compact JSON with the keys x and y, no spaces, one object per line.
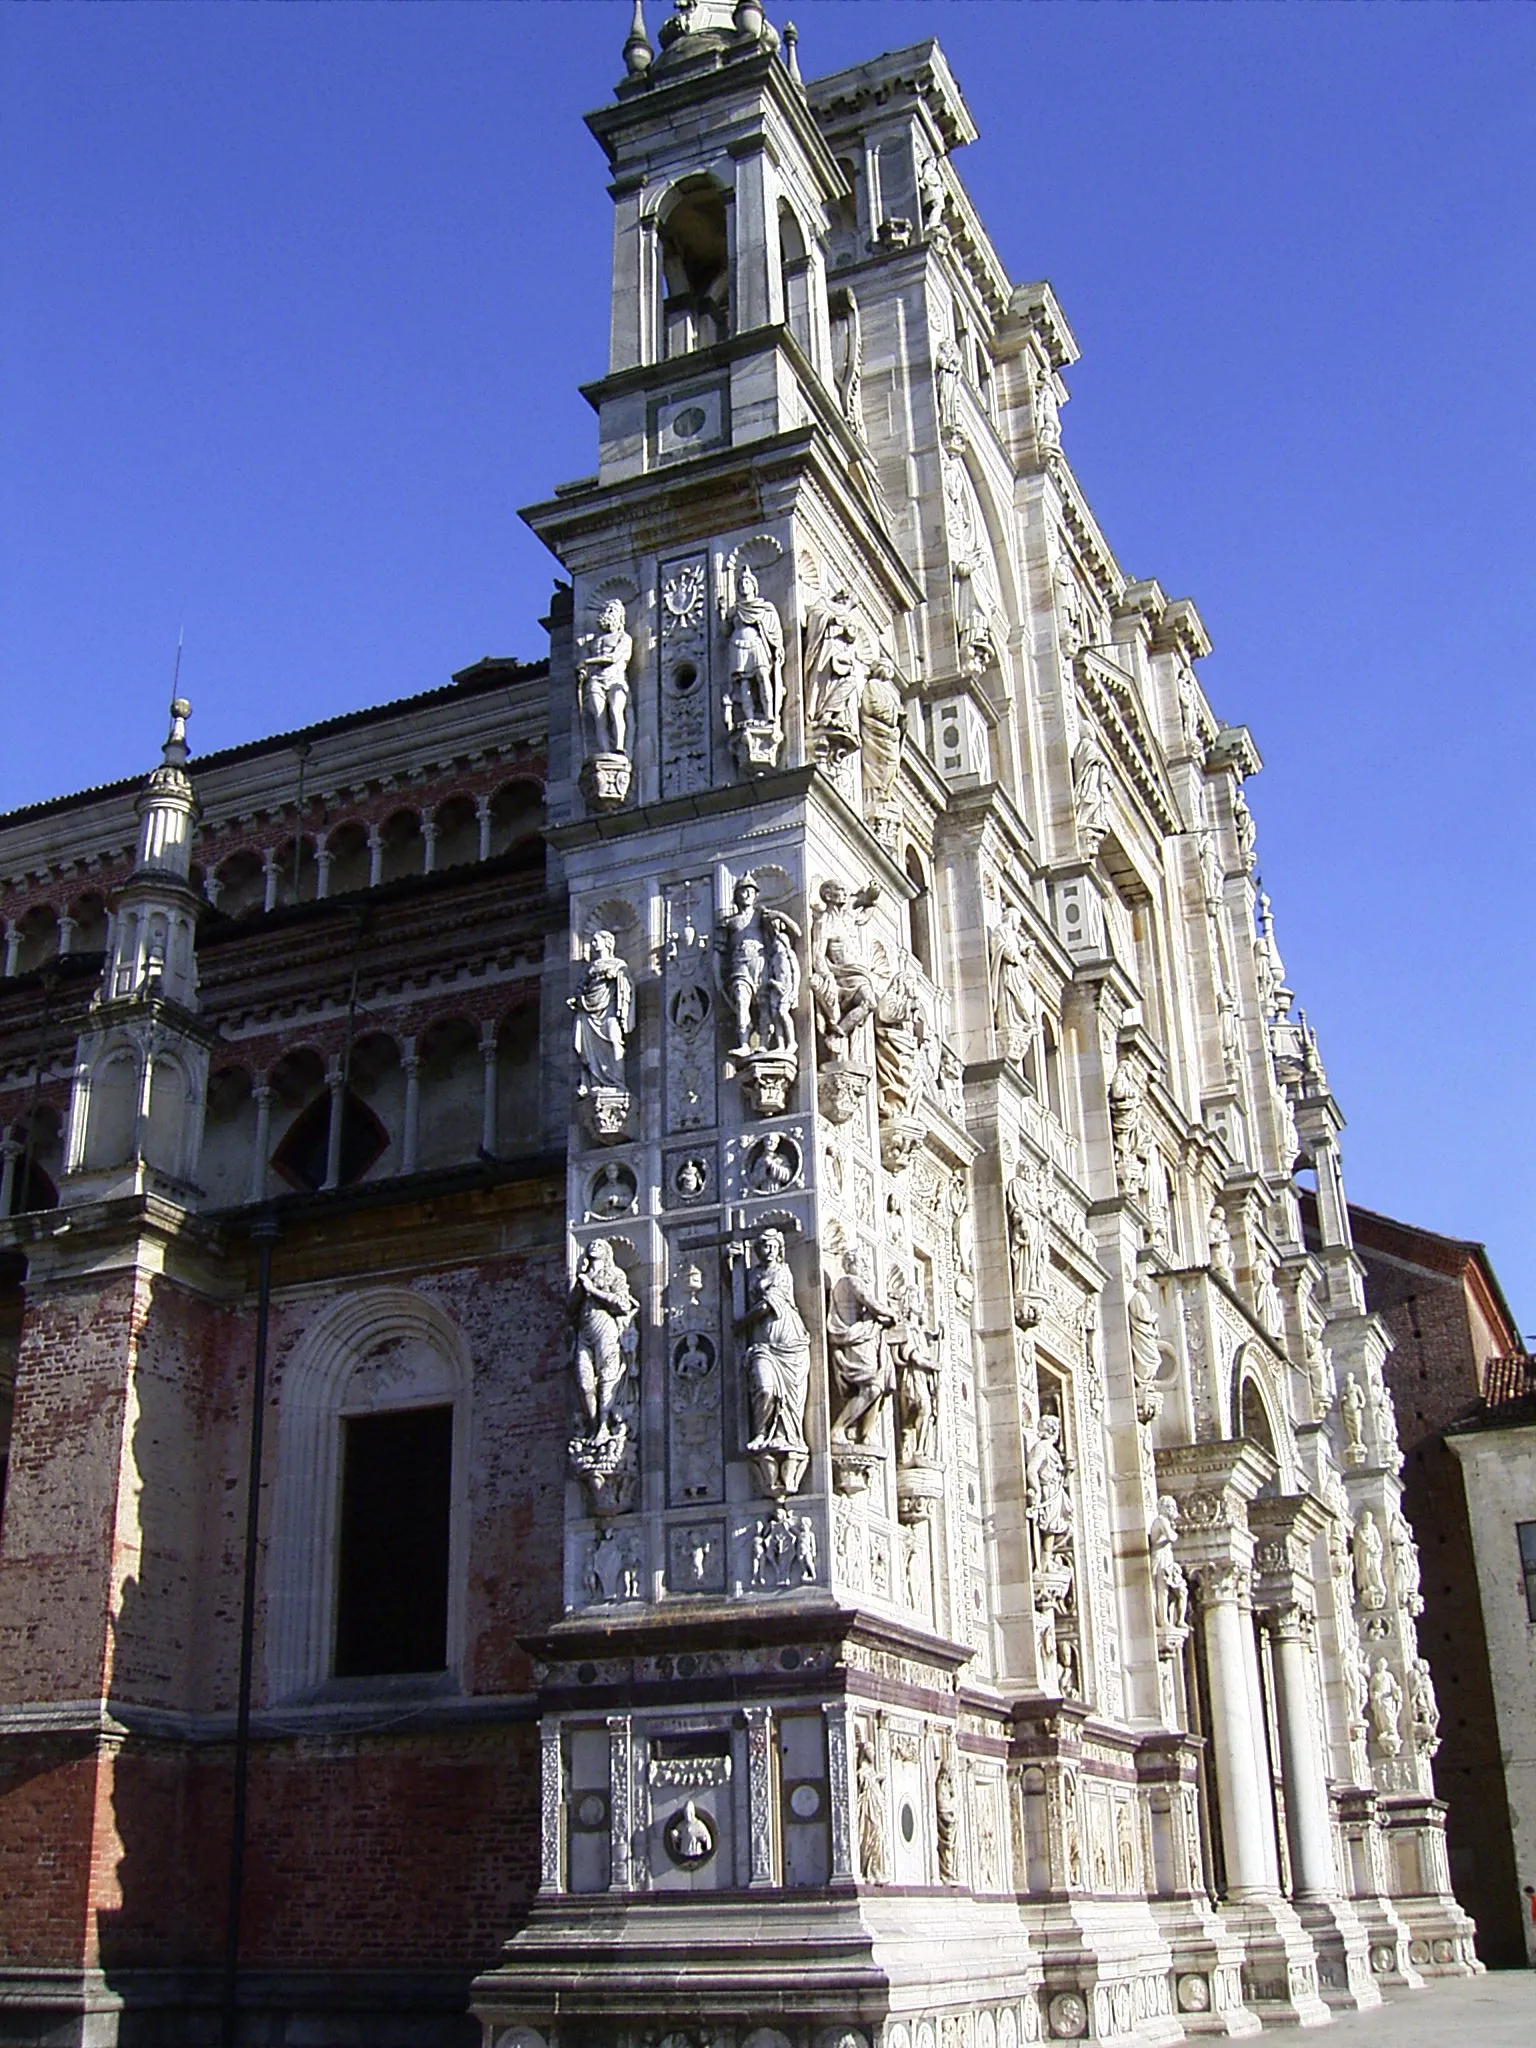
{"x":1423,"y":1710}
{"x":1047,"y":1501}
{"x":1170,"y":1587}
{"x":871,"y":1800}
{"x":1219,"y":1236}
{"x":1386,"y":1708}
{"x":1370,"y":1582}
{"x":900,"y":1034}
{"x":910,"y":1348}
{"x":1405,"y":1567}
{"x":1015,"y":1006}
{"x":880,"y":737}
{"x":1352,"y":1409}
{"x":1128,"y":1129}
{"x":754,"y":705}
{"x":777,"y":1370}
{"x":861,"y":1371}
{"x":1023,"y":1205}
{"x":604,"y":1004}
{"x":758,"y":972}
{"x":602,"y":694}
{"x":946,"y":1820}
{"x":1146,"y":1353}
{"x":1090,"y":786}
{"x":836,"y":672}
{"x":841,"y":981}
{"x":949,"y":366}
{"x":601,"y":1310}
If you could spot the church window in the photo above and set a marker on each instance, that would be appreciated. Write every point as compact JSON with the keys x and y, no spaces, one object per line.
{"x":795,"y":278}
{"x":695,"y":269}
{"x":392,"y":1563}
{"x":1526,"y":1534}
{"x":920,"y":915}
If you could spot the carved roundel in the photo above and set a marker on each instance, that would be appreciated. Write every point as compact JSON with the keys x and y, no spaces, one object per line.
{"x":805,"y":1800}
{"x":612,"y":1191}
{"x":690,"y":1837}
{"x":1068,"y":2013}
{"x":773,"y":1163}
{"x":691,"y":1177}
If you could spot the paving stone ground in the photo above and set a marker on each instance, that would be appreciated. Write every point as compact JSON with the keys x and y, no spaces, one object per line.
{"x":1495,"y":2011}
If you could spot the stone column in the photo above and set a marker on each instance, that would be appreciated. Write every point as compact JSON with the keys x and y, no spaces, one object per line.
{"x":488,"y":1133}
{"x":12,"y":944}
{"x":428,"y":845}
{"x":322,"y":868}
{"x":409,"y":1137}
{"x":483,"y":820}
{"x":269,"y":871}
{"x":375,"y":856}
{"x":840,"y":1790}
{"x":1307,"y":1820}
{"x":66,"y":936}
{"x":261,"y":1090}
{"x":10,"y":1152}
{"x":335,"y":1082}
{"x":1246,"y":1824}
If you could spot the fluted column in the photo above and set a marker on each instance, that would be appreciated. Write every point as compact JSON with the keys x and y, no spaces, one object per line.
{"x":1247,"y":1829}
{"x":1308,"y":1823}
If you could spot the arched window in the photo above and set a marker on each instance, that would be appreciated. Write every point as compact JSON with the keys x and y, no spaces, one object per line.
{"x":367,"y":1565}
{"x":39,"y":940}
{"x":405,"y":848}
{"x":920,"y":915}
{"x":795,"y":277}
{"x":348,"y":862}
{"x":695,"y":268}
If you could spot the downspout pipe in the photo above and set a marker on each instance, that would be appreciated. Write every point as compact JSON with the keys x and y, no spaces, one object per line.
{"x":264,"y":1236}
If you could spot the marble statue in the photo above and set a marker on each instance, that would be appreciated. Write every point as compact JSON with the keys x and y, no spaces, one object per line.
{"x":900,"y":1030}
{"x":1015,"y":1006}
{"x":946,"y":1821}
{"x":1091,"y":795}
{"x":601,"y":1311}
{"x":1170,"y":1587}
{"x":910,"y":1348}
{"x":602,"y":681}
{"x":604,"y":1004}
{"x":1047,"y":1500}
{"x":861,"y":1371}
{"x":1219,"y":1237}
{"x":754,"y":704}
{"x":776,"y":1368}
{"x":1352,"y":1409}
{"x":1370,"y":1584}
{"x":1146,"y":1352}
{"x":836,"y":672}
{"x":1405,"y":1566}
{"x":758,"y":971}
{"x":1128,"y":1129}
{"x":1027,"y":1239}
{"x":841,"y":981}
{"x":1423,"y":1709}
{"x":1386,"y":1708}
{"x":870,"y":1783}
{"x":880,"y":736}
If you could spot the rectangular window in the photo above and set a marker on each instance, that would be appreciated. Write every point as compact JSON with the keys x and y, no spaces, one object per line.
{"x":392,"y":1581}
{"x":1526,"y":1531}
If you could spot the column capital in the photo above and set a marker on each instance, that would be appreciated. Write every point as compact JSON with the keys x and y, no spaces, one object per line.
{"x":1225,"y":1581}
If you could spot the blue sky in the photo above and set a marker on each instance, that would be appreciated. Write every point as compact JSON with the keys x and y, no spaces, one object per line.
{"x":294,"y":302}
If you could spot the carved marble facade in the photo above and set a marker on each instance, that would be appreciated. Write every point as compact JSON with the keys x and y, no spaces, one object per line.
{"x":974,"y":1487}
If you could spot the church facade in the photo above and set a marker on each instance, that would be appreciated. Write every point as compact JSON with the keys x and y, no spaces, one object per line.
{"x":810,"y":1489}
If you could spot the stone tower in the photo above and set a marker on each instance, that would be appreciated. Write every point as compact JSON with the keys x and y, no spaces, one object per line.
{"x":974,"y":1625}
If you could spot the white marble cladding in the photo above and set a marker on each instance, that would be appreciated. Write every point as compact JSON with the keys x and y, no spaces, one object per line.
{"x":949,"y":1235}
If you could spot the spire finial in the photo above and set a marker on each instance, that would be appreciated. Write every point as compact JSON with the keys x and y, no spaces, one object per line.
{"x":792,"y":51}
{"x":638,"y":53}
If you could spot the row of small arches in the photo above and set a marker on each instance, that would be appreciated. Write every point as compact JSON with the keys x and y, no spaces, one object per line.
{"x":306,"y":867}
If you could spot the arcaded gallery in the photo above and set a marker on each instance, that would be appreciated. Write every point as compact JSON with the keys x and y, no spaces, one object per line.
{"x":659,"y":1374}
